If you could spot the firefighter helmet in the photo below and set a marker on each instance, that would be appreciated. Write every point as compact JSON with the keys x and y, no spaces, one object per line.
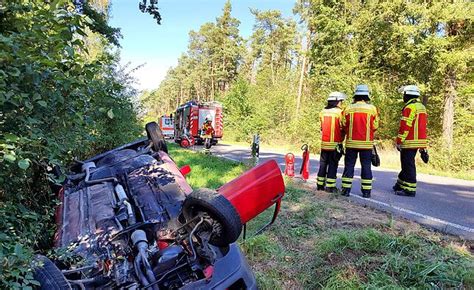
{"x":362,"y":90}
{"x":411,"y":90}
{"x":336,"y":96}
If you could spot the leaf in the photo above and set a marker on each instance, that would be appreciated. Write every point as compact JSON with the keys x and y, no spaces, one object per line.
{"x":110,"y":114}
{"x":18,"y":250}
{"x":9,"y":157}
{"x":36,"y":96}
{"x":14,"y":72}
{"x":42,"y":103}
{"x":70,"y":51}
{"x":24,"y":164}
{"x":11,"y":137}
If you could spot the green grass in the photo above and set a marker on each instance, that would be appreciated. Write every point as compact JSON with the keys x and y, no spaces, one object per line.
{"x":323,"y":241}
{"x":207,"y":171}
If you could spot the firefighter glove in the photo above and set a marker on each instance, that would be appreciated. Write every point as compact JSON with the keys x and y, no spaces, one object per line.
{"x":340,"y":149}
{"x":424,"y":155}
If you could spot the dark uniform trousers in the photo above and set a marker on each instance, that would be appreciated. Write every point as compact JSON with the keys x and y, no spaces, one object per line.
{"x":327,"y":169}
{"x":407,"y":177}
{"x":366,"y":173}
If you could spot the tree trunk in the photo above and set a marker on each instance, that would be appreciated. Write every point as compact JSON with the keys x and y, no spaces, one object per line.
{"x":212,"y":82}
{"x":448,"y":113}
{"x":303,"y":69}
{"x":272,"y":68}
{"x":253,"y":73}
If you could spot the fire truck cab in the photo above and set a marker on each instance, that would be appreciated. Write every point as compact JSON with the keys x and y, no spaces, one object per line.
{"x":189,"y":119}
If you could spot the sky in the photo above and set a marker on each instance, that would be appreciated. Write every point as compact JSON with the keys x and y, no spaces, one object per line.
{"x":158,"y":47}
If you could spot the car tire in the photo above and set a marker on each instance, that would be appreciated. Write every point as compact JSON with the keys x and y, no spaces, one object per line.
{"x":155,"y":135}
{"x":48,"y":275}
{"x":219,"y":209}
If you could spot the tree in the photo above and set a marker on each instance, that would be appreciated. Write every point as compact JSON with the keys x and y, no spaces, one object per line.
{"x":273,"y":42}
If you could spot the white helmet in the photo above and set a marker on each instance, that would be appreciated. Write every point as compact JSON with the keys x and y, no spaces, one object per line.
{"x":362,"y":90}
{"x":411,"y":90}
{"x":336,"y":96}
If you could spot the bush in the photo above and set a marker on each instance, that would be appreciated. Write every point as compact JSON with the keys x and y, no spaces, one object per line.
{"x":57,"y":103}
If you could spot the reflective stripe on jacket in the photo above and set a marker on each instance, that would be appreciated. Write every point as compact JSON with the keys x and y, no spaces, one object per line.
{"x":412,"y":130}
{"x":331,"y":128}
{"x":360,"y":121}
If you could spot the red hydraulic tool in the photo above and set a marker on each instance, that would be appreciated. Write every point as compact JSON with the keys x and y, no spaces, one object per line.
{"x":290,"y":164}
{"x":305,"y":165}
{"x":255,"y":191}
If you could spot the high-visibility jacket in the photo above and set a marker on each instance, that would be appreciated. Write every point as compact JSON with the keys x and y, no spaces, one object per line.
{"x":412,"y":130}
{"x":207,"y":129}
{"x":331,"y":128}
{"x":360,"y":121}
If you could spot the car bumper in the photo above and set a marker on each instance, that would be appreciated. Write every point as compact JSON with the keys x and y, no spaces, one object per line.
{"x":230,"y":270}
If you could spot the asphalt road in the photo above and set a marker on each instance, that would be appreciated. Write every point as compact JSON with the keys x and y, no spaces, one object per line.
{"x":443,"y":203}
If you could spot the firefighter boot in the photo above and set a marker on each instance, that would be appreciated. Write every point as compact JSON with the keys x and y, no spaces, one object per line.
{"x":346,"y":191}
{"x":397,"y":187}
{"x":366,"y":193}
{"x":331,"y":189}
{"x":404,"y":192}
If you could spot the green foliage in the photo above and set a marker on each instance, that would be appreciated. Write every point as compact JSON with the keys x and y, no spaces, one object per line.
{"x":99,"y":24}
{"x":56,"y":103}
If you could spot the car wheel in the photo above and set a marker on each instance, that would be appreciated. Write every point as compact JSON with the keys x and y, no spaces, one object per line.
{"x":155,"y":135}
{"x":220,"y":210}
{"x":48,"y":275}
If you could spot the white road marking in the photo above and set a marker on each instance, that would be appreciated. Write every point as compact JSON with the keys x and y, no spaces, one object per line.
{"x":427,"y":217}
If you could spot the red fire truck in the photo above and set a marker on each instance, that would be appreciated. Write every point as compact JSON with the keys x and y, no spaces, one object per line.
{"x":190,"y":117}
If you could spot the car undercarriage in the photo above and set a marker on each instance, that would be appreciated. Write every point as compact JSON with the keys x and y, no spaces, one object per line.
{"x":129,"y":220}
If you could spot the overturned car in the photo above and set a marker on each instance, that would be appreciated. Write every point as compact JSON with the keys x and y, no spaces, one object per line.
{"x":131,"y":221}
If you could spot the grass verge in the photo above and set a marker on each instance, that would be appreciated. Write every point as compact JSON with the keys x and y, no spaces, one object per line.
{"x":324,"y":241}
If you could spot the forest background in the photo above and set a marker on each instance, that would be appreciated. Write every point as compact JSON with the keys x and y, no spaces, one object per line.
{"x":276,"y":82}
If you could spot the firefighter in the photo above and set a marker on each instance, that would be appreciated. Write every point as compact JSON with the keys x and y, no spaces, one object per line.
{"x":331,"y":142}
{"x":411,"y":138}
{"x":360,"y":121}
{"x":208,"y":132}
